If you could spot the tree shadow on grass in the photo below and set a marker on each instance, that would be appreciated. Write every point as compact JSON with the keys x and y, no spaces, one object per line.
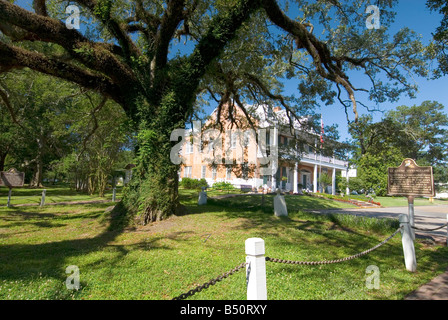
{"x":255,"y":214}
{"x":306,"y":229}
{"x":324,"y":237}
{"x":24,"y":261}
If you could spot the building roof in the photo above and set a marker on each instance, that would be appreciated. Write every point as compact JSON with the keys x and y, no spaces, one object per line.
{"x":265,"y":116}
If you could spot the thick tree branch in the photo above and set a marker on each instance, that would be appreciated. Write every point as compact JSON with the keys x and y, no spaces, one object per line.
{"x":326,"y":65}
{"x":259,"y":84}
{"x":125,"y":41}
{"x":7,"y":103}
{"x":168,"y":25}
{"x":94,"y":55}
{"x":12,"y":57}
{"x":40,"y":7}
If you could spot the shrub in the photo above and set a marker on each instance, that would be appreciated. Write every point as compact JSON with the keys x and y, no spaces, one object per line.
{"x":188,"y":183}
{"x":223,"y":186}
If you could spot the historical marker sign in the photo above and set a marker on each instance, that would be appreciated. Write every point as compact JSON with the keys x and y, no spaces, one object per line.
{"x":12,"y":178}
{"x":409,"y":179}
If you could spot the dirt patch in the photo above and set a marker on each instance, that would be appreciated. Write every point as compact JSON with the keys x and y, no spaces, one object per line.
{"x":157,"y":226}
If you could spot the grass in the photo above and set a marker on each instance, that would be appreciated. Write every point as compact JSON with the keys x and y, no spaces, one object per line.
{"x":403,"y":201}
{"x":167,"y":258}
{"x":54,"y":194}
{"x":391,"y":201}
{"x":293,"y":202}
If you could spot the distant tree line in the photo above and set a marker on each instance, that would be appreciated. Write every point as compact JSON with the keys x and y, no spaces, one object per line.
{"x":56,"y":131}
{"x":419,"y":132}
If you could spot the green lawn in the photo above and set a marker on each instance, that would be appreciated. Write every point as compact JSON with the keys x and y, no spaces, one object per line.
{"x":54,"y":194}
{"x":294,"y":202}
{"x":164,"y":259}
{"x":392,"y":201}
{"x":403,"y":201}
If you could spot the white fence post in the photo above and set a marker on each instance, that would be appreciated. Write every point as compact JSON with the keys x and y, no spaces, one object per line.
{"x":411,"y":215}
{"x":9,"y":198}
{"x":255,"y":269}
{"x":42,"y":200}
{"x":408,"y":243}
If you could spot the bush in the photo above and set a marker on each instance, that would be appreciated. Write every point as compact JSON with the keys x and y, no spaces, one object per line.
{"x":223,"y":186}
{"x":188,"y":183}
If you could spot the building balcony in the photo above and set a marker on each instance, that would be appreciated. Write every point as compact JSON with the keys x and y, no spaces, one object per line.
{"x":315,"y":158}
{"x":312,"y":158}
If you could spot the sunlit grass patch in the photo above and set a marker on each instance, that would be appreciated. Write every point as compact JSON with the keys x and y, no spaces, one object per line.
{"x":165,"y":259}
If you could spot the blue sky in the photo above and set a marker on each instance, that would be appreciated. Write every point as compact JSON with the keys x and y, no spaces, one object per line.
{"x":415,"y":15}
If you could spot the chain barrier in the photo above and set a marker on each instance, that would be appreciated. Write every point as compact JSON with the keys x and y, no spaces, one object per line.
{"x":210,"y":283}
{"x":242,"y":265}
{"x":337,"y":260}
{"x":422,"y":229}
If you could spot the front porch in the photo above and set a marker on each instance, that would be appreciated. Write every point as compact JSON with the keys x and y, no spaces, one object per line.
{"x":305,"y":175}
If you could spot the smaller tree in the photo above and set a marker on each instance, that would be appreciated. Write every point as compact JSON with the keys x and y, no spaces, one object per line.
{"x":372,"y":170}
{"x":103,"y":140}
{"x":324,"y":181}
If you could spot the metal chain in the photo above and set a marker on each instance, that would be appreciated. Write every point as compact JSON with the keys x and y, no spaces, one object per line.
{"x":337,"y":260}
{"x":421,"y":229}
{"x":242,"y":265}
{"x":210,"y":283}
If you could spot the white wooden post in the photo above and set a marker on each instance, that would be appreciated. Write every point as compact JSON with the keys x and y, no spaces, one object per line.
{"x":114,"y":194}
{"x":411,"y":215}
{"x":9,"y":198}
{"x":347,"y":189}
{"x":42,"y":200}
{"x":296,"y":179}
{"x":255,"y":269}
{"x":280,"y":209}
{"x":333,"y":181}
{"x":408,"y":243}
{"x":202,"y":197}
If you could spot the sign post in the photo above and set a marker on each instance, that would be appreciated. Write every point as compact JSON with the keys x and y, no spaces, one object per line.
{"x":411,"y":214}
{"x":11,"y":179}
{"x":42,"y":200}
{"x":410,"y":180}
{"x":8,"y":204}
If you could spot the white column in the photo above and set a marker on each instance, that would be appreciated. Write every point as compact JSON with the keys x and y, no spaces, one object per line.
{"x":274,"y":154}
{"x":408,"y":243}
{"x":347,"y":189}
{"x":411,"y":215}
{"x":333,"y":182}
{"x":9,"y":198}
{"x":296,"y":178}
{"x":42,"y":199}
{"x":255,"y":269}
{"x":315,"y":179}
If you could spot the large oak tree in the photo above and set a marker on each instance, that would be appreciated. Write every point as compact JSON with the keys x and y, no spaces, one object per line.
{"x":127,"y":53}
